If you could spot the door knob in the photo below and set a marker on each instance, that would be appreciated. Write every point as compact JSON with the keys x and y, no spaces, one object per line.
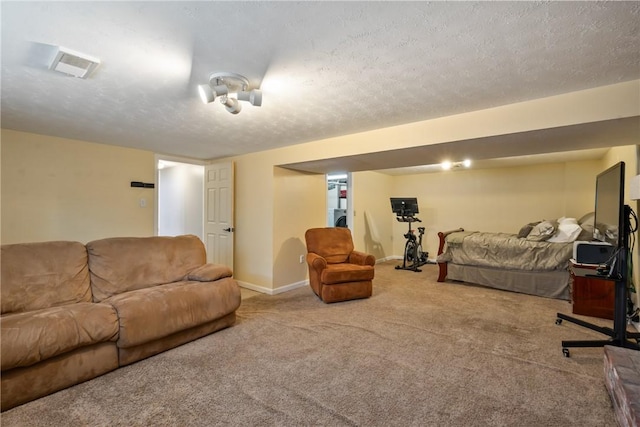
{"x":229,"y":230}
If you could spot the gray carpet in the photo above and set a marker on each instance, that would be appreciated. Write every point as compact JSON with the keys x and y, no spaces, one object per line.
{"x":417,"y":353}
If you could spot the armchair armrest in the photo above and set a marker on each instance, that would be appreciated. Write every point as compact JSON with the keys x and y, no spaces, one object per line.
{"x":360,"y":258}
{"x":316,"y":261}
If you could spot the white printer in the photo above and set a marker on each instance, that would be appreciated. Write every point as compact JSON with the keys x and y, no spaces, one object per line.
{"x":593,"y":252}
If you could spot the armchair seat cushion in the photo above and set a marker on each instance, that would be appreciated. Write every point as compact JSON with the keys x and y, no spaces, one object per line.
{"x":34,"y":336}
{"x":343,"y":273}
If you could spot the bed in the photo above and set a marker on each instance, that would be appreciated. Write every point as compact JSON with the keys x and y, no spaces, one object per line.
{"x":534,"y":261}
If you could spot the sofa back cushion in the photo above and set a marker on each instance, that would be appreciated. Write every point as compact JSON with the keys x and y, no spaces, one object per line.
{"x":41,"y":275}
{"x":124,"y":264}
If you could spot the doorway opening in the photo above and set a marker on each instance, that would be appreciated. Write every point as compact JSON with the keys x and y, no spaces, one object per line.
{"x":180,"y":194}
{"x":338,"y":196}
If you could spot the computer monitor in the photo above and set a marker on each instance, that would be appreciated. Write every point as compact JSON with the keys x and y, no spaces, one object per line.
{"x":609,"y":219}
{"x":404,"y":206}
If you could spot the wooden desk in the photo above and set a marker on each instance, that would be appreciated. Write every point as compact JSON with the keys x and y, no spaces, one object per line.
{"x":591,"y":296}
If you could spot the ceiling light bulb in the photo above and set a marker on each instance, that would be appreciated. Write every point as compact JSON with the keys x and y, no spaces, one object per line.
{"x":232,"y":105}
{"x":446,"y":165}
{"x":467,"y":163}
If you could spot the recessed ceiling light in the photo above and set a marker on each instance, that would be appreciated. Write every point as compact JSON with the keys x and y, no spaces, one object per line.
{"x":446,"y":165}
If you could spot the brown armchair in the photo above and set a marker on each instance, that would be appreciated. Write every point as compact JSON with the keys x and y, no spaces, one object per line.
{"x":336,"y":271}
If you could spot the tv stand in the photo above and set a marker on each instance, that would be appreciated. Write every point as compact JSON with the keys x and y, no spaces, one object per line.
{"x":612,"y":224}
{"x":591,"y":295}
{"x":619,"y":336}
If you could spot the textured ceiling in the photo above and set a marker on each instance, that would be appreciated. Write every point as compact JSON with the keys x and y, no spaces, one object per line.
{"x":325,"y":68}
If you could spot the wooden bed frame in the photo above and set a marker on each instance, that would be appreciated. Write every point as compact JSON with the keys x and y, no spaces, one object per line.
{"x":442,"y":266}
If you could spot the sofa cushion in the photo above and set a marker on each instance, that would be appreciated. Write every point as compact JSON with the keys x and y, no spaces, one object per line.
{"x":124,"y":264}
{"x":28,"y":338}
{"x":152,"y":313}
{"x":342,"y":273}
{"x":41,"y":275}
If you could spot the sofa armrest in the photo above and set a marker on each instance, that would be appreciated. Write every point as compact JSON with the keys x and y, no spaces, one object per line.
{"x":209,"y":273}
{"x":360,"y":258}
{"x":316,"y":262}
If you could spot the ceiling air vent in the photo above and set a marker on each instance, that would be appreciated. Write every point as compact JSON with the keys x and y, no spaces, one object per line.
{"x":74,"y":63}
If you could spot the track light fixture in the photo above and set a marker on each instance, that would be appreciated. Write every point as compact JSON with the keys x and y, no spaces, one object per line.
{"x":224,"y":86}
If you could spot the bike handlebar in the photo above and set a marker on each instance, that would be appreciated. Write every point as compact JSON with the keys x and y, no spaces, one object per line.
{"x":405,"y":218}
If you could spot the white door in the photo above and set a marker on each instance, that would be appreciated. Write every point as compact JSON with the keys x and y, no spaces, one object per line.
{"x":218,"y":225}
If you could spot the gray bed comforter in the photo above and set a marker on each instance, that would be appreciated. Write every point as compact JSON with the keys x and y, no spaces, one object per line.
{"x":503,"y":250}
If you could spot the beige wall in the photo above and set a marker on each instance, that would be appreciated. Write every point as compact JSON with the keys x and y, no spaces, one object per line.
{"x":625,"y":154}
{"x":61,"y":189}
{"x":373,"y":219}
{"x":603,"y":103}
{"x":294,"y":191}
{"x":492,"y":200}
{"x":499,"y":200}
{"x":56,"y":188}
{"x":255,"y":176}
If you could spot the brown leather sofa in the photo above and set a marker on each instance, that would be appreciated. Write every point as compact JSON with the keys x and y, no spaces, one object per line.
{"x":72,"y":312}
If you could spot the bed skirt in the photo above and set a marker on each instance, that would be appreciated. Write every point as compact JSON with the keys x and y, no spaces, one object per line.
{"x":550,"y":284}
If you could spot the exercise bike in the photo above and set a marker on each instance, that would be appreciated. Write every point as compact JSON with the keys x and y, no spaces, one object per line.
{"x":414,"y":257}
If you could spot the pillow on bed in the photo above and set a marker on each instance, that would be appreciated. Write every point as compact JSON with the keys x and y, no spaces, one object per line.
{"x":524,"y":231}
{"x":587,"y":218}
{"x":586,"y":222}
{"x":568,"y":231}
{"x":542,"y":231}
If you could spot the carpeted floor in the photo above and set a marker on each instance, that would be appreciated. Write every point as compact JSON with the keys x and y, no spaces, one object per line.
{"x":417,"y":353}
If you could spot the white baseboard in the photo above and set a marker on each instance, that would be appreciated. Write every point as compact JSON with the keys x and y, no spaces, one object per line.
{"x":302,"y":283}
{"x":388,"y":258}
{"x":270,"y":291}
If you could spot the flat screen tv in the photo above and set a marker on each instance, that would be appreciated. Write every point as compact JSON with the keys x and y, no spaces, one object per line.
{"x":404,"y":206}
{"x":609,"y":219}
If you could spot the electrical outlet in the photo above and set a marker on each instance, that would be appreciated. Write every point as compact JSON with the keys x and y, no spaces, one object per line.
{"x":301,"y":259}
